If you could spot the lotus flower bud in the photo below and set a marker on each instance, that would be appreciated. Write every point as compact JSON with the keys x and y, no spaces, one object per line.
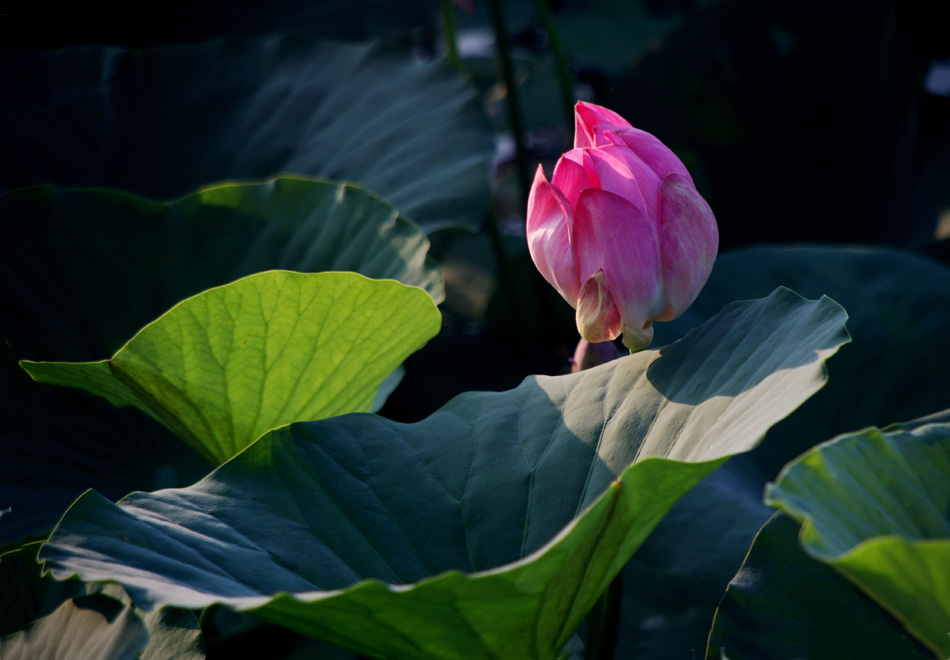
{"x":620,"y":230}
{"x":590,"y":355}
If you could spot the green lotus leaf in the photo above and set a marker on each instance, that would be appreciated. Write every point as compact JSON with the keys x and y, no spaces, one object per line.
{"x":874,"y":507}
{"x":226,"y":366}
{"x":488,"y":529}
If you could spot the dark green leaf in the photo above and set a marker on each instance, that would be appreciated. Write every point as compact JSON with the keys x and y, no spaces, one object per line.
{"x":66,"y":253}
{"x":165,"y":121}
{"x":896,"y":304}
{"x":784,"y":604}
{"x":488,"y":529}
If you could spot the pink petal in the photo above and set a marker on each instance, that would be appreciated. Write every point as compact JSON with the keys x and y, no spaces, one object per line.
{"x":651,"y":151}
{"x":591,"y":110}
{"x":598,"y":318}
{"x":641,"y":178}
{"x":549,"y":237}
{"x":612,"y":234}
{"x":586,"y":118}
{"x":689,"y":239}
{"x":571,"y":177}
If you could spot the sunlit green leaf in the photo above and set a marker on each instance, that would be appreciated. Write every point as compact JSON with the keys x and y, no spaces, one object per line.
{"x":224,"y":367}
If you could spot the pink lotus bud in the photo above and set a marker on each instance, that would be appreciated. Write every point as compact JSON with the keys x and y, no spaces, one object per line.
{"x":620,"y":230}
{"x":590,"y":354}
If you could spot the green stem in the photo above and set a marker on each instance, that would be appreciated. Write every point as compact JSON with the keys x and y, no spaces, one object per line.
{"x":506,"y":282}
{"x":450,"y":34}
{"x":603,"y":622}
{"x":564,"y":78}
{"x":511,"y":93}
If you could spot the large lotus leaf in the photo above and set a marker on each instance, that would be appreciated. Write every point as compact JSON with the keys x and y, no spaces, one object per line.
{"x":875,"y":507}
{"x":486,"y":530}
{"x":65,"y":253}
{"x":167,"y":120}
{"x":226,"y":366}
{"x":784,"y":604}
{"x":896,"y":304}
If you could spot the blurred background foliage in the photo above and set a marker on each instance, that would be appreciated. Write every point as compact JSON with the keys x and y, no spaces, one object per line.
{"x":802,"y":122}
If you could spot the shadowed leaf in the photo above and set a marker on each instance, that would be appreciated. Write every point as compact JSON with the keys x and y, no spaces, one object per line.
{"x":488,"y":529}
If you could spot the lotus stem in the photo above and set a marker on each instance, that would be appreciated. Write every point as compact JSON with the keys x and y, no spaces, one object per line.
{"x":603,"y":622}
{"x":511,"y":93}
{"x":450,"y":34}
{"x":564,"y":78}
